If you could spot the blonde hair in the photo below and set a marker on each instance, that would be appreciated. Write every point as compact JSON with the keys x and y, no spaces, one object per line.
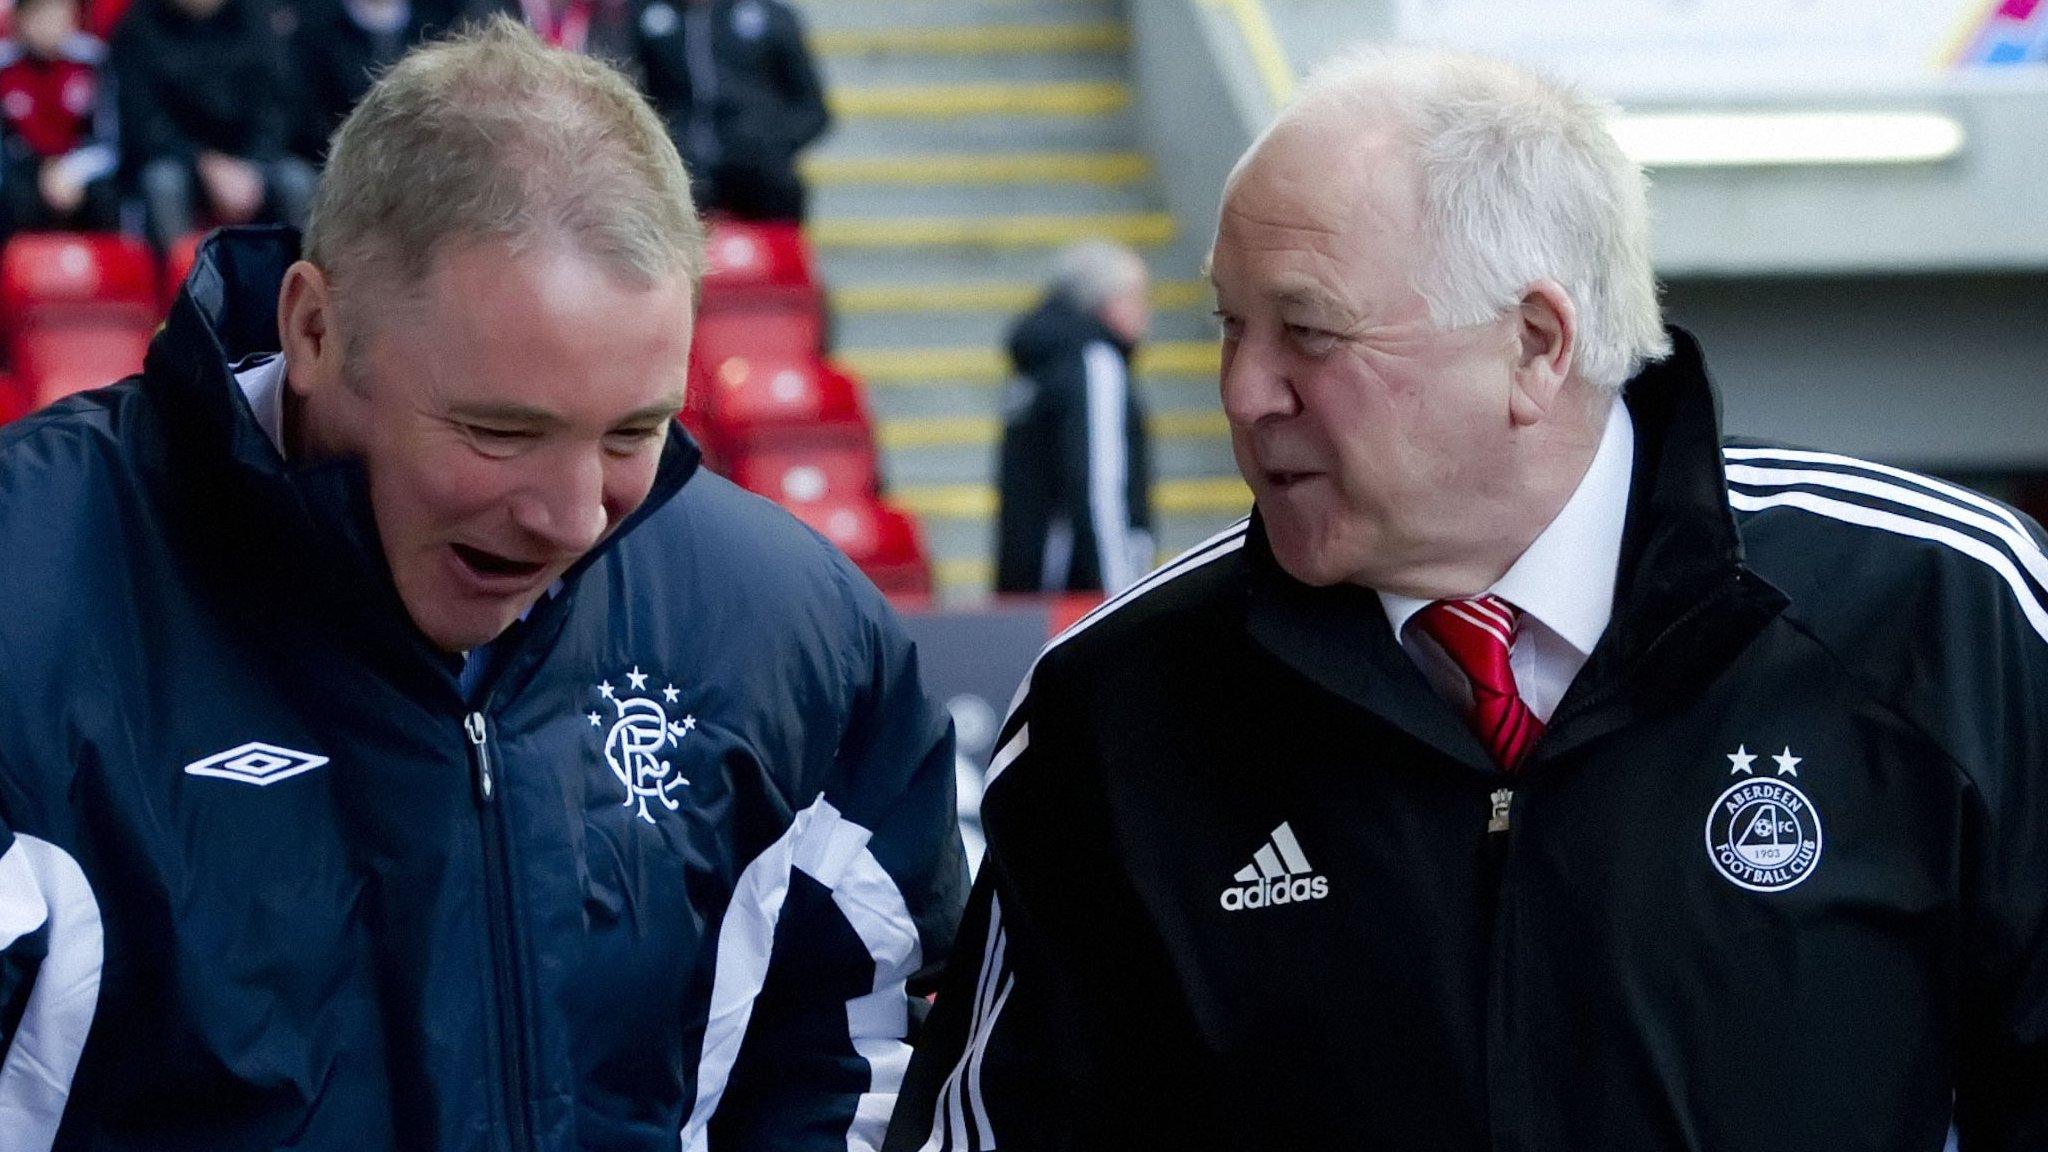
{"x":1521,"y":181}
{"x":492,"y":135}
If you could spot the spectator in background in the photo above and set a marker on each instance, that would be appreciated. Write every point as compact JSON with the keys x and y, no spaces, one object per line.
{"x":337,"y":47}
{"x":600,"y":28}
{"x":206,"y":115}
{"x":741,"y":95}
{"x":56,"y":132}
{"x":1074,"y":475}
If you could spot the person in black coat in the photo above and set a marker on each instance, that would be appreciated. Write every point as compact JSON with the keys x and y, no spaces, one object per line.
{"x":338,"y":46}
{"x":1074,"y":477}
{"x":741,"y":110}
{"x":206,"y":113}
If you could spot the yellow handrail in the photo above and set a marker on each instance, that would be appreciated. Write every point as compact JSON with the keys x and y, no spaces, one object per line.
{"x":1255,"y":28}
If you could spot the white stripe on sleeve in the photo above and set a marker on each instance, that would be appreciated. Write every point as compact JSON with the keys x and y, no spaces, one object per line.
{"x":41,"y":884}
{"x":1108,"y":467}
{"x":832,"y":850}
{"x":1970,"y":546}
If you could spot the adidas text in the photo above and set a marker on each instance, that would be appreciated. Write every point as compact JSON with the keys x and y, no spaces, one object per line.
{"x":1279,"y":890}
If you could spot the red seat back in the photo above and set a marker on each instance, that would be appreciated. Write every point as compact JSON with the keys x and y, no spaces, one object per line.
{"x":752,"y":406}
{"x":881,"y":539}
{"x":68,"y":275}
{"x":53,"y":361}
{"x":805,"y":475}
{"x":743,"y":256}
{"x":784,"y":331}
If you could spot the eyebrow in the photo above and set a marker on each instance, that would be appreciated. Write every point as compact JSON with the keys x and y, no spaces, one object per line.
{"x":1311,"y":294}
{"x":541,"y":417}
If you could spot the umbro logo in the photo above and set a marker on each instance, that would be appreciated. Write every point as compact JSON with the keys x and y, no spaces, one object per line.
{"x":256,"y":763}
{"x":1278,"y":874}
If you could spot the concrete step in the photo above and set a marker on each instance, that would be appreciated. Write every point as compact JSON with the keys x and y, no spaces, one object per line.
{"x":974,"y":40}
{"x":1173,"y":461}
{"x":942,"y":103}
{"x":983,"y":328}
{"x":876,"y":135}
{"x":970,"y":401}
{"x":852,"y":268}
{"x":1003,"y":297}
{"x":903,"y":69}
{"x":955,"y":365}
{"x":848,"y":202}
{"x":832,"y":15}
{"x":977,"y":169}
{"x":1209,"y":495}
{"x":1138,"y":229}
{"x":899,"y":434}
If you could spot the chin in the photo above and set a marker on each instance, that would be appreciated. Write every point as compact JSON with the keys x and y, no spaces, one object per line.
{"x":461,"y":630}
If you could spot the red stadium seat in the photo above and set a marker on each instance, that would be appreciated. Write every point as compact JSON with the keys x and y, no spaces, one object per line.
{"x":793,"y":476}
{"x":761,"y":293}
{"x":752,"y":404}
{"x":65,"y":276}
{"x":743,"y":256}
{"x":881,"y":539}
{"x":54,"y":361}
{"x":785,"y":330}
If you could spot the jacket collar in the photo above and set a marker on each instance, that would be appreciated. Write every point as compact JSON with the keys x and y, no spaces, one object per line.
{"x":1685,"y":603}
{"x":316,"y":543}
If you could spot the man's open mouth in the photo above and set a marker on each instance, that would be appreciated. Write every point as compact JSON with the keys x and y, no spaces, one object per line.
{"x":490,"y":564}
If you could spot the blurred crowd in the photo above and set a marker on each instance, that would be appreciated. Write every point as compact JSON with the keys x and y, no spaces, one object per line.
{"x":160,"y":117}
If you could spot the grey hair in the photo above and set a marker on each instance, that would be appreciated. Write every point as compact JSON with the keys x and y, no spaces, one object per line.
{"x":492,"y":135}
{"x":1090,"y":273}
{"x":1521,"y":180}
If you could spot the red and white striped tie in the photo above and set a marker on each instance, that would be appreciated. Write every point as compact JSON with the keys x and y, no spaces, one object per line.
{"x":1479,"y":633}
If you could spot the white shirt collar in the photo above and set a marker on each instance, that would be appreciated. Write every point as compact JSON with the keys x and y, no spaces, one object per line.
{"x":263,"y":384}
{"x":1566,"y":578}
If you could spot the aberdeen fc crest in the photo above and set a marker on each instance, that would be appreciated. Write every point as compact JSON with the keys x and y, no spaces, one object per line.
{"x":639,"y":740}
{"x":1764,"y":833}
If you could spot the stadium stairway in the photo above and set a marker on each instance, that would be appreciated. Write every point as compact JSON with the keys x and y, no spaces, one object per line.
{"x":973,"y":138}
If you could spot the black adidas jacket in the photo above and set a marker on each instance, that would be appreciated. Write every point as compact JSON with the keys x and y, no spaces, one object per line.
{"x":668,"y":878}
{"x":1074,"y":472}
{"x":1775,"y":877}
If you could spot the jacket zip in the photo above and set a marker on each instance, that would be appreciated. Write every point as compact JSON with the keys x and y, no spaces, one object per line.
{"x":1499,"y":827}
{"x":507,"y":984}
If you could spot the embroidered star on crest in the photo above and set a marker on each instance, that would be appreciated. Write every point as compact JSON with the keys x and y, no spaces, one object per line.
{"x":596,"y":721}
{"x":1742,"y":758}
{"x":638,"y":678}
{"x":670,"y":693}
{"x":1788,"y":764}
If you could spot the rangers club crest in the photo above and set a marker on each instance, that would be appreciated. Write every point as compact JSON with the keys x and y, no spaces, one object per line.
{"x":1764,"y":834}
{"x":639,"y":740}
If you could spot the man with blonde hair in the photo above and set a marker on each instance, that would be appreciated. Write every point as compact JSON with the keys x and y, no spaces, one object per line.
{"x":1531,"y":771}
{"x":403,"y":743}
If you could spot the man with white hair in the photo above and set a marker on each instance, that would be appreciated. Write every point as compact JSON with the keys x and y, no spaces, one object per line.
{"x":1530,"y":771}
{"x":1074,"y":471}
{"x":404,"y":744}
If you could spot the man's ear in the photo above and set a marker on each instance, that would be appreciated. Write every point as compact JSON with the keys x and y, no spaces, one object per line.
{"x":306,"y":329}
{"x":1546,"y":335}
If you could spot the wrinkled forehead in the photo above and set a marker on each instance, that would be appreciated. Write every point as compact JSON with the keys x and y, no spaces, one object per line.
{"x":1322,"y":207}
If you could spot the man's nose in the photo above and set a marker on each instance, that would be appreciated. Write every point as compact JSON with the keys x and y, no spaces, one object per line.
{"x":564,"y":508}
{"x":1256,"y":384}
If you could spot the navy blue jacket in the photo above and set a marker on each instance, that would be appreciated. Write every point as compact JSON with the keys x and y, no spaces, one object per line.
{"x":269,"y":880}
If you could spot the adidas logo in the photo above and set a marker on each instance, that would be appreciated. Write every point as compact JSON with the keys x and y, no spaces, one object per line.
{"x":1278,"y":874}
